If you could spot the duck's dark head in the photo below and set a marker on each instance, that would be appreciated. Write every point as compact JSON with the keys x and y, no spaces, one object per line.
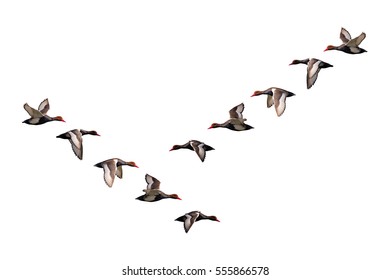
{"x":295,"y":61}
{"x":213,"y":218}
{"x":93,"y":132}
{"x":175,"y":147}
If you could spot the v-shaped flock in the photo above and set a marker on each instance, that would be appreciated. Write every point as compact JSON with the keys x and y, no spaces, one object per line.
{"x":275,"y":97}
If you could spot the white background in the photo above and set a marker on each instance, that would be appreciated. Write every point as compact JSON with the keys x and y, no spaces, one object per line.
{"x":305,"y":194}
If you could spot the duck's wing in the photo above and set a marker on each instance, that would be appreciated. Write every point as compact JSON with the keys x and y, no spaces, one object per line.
{"x":356,"y":41}
{"x":119,"y":172}
{"x":280,"y":102}
{"x":270,"y":101}
{"x":151,"y":195}
{"x":190,"y":220}
{"x":76,"y":141}
{"x":199,"y":149}
{"x":236,"y":112}
{"x":153,"y":183}
{"x":44,"y":106}
{"x":109,"y":168}
{"x":313,"y":68}
{"x":32,"y":112}
{"x":345,"y":36}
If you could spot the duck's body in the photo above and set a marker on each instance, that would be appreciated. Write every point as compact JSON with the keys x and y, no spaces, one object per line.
{"x":75,"y":138}
{"x":236,"y":121}
{"x":38,"y":117}
{"x":200,"y":148}
{"x":113,"y":167}
{"x":190,"y":218}
{"x":350,"y":46}
{"x":314,"y":66}
{"x":277,"y":97}
{"x":153,"y":192}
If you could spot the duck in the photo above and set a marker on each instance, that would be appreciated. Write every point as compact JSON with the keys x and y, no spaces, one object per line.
{"x":112,"y":167}
{"x":200,"y":148}
{"x":75,"y":138}
{"x":236,"y":121}
{"x":191,"y":217}
{"x":153,"y":192}
{"x":38,"y":117}
{"x":314,"y":66}
{"x":350,"y":46}
{"x":275,"y":96}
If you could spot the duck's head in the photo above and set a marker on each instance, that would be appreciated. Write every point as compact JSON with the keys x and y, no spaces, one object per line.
{"x":257,"y":93}
{"x":93,"y":132}
{"x":330,"y":47}
{"x":132,"y":164}
{"x":213,"y":218}
{"x":175,"y":196}
{"x":214,"y":125}
{"x":295,"y":61}
{"x":175,"y":147}
{"x":59,"y":118}
{"x":90,"y":132}
{"x":300,"y":61}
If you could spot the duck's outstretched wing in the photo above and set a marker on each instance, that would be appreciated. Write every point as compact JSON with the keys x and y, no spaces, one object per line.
{"x":32,"y":112}
{"x":344,"y":35}
{"x":44,"y":106}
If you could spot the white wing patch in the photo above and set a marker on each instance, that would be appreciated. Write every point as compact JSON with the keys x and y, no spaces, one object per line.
{"x":149,"y":181}
{"x":44,"y":106}
{"x":345,"y":36}
{"x":314,"y":68}
{"x":239,"y":110}
{"x":312,"y":73}
{"x":201,"y":152}
{"x":108,"y":175}
{"x":77,"y":143}
{"x":190,"y":220}
{"x":153,"y":183}
{"x":236,"y":112}
{"x":282,"y":105}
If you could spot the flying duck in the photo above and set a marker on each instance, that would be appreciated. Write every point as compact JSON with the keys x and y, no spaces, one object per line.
{"x":190,"y":218}
{"x":275,"y":96}
{"x":236,"y":121}
{"x":200,"y":148}
{"x":349,"y":45}
{"x":314,"y":66}
{"x":75,"y":138}
{"x":112,"y":167}
{"x":152,"y":191}
{"x":39,"y":116}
